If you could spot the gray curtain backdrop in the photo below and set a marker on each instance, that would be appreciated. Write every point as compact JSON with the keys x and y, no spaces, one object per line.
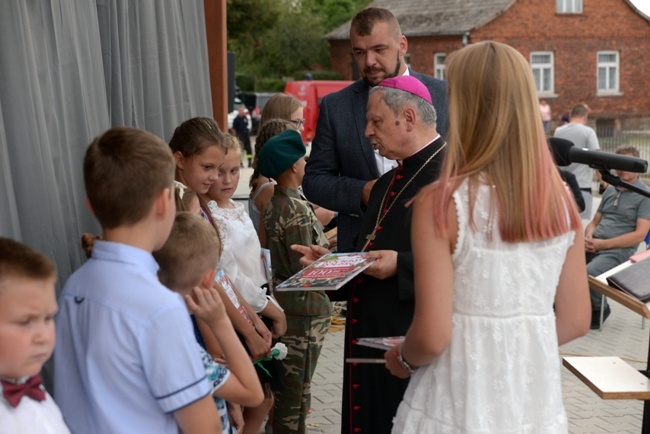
{"x":69,"y":70}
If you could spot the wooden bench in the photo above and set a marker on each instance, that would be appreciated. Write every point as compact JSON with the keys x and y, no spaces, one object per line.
{"x":610,"y":377}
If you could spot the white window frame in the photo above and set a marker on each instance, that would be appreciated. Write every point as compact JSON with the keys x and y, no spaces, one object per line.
{"x":609,"y":69}
{"x":569,"y":6}
{"x":544,"y":69}
{"x":439,"y":70}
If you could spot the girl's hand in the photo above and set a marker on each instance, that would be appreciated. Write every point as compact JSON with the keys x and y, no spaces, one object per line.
{"x":221,"y":360}
{"x":263,"y":330}
{"x":279,"y":327}
{"x":206,"y":304}
{"x":236,"y":417}
{"x":393,"y":364}
{"x":257,"y":346}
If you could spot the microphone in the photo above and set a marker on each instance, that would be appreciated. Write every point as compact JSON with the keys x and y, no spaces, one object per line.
{"x":565,"y":153}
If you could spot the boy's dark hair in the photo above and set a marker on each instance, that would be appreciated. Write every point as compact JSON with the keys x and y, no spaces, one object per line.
{"x":194,"y":135}
{"x":363,"y":22}
{"x":191,"y":249}
{"x":124,"y":170}
{"x":20,"y":261}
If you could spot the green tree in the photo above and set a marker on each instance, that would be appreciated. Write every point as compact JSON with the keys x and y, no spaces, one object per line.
{"x":275,"y":38}
{"x":296,"y":43}
{"x":334,"y":12}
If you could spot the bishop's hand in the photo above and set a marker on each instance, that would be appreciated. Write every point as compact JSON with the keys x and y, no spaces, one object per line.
{"x":385,"y":264}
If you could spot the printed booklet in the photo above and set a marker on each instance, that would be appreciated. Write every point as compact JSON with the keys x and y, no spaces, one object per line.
{"x":381,"y":343}
{"x":328,"y":273}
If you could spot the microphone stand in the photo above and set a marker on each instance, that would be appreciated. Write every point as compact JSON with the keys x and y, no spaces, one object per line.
{"x":617,"y":182}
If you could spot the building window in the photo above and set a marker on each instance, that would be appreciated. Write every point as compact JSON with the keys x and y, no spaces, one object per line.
{"x":541,"y":63}
{"x":439,"y":65}
{"x":569,"y":6}
{"x":608,"y":68}
{"x":407,"y":60}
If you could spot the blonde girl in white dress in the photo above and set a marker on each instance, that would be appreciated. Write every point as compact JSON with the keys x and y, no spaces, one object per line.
{"x":500,"y":270}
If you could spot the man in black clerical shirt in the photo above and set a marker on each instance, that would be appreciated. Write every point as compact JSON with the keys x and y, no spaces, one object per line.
{"x":401,"y":125}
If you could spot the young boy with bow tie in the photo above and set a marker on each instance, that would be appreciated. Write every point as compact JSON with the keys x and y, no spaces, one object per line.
{"x":27,"y":308}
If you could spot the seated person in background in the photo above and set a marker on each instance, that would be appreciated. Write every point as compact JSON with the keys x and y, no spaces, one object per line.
{"x":620,"y":224}
{"x":27,"y":308}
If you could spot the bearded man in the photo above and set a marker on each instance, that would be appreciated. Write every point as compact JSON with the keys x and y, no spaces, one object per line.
{"x":342,"y":166}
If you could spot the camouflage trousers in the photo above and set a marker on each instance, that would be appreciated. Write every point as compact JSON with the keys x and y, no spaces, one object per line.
{"x":304,"y":340}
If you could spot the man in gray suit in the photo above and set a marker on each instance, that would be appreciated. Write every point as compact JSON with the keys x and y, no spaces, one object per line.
{"x":343,"y":167}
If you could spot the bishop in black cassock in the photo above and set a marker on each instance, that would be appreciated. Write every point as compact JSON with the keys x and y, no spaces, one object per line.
{"x":379,"y":308}
{"x":381,"y":300}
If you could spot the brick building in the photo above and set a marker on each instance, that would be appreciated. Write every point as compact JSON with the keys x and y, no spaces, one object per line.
{"x":591,"y":51}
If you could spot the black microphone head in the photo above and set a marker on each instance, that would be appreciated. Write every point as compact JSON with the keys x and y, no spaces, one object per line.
{"x":560,"y":149}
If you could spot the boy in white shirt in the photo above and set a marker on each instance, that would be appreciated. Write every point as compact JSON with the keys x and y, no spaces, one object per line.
{"x":27,"y":308}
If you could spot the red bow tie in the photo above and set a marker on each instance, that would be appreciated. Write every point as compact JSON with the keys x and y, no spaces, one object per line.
{"x":14,"y":392}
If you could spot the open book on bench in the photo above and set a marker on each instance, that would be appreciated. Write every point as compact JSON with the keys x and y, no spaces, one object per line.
{"x":633,"y":280}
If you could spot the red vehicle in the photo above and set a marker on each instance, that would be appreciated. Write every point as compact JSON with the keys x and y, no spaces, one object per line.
{"x":310,"y":93}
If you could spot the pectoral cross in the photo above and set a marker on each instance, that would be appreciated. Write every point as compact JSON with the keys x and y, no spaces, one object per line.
{"x":369,"y":239}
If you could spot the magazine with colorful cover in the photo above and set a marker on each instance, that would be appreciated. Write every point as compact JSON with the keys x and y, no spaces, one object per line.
{"x":385,"y":343}
{"x":328,"y":273}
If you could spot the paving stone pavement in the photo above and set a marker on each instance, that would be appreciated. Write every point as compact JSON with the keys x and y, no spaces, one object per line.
{"x":621,"y":336}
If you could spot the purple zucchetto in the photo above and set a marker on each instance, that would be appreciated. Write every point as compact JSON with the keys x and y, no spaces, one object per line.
{"x":408,"y":84}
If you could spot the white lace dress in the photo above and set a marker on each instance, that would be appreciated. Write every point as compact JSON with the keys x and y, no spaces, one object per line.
{"x":241,"y":252}
{"x":501,"y":371}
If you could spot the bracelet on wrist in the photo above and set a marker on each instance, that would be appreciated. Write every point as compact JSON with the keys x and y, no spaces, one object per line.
{"x":411,"y":370}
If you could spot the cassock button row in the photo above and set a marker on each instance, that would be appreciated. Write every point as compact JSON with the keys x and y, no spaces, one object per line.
{"x":399,"y":176}
{"x":356,"y":408}
{"x":370,"y":243}
{"x":392,"y":193}
{"x":379,"y":228}
{"x":356,"y":386}
{"x":354,"y":341}
{"x":355,"y":300}
{"x":353,"y":321}
{"x":357,"y":430}
{"x":358,"y":281}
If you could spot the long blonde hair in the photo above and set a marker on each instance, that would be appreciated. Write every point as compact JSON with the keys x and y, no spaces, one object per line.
{"x":496,"y":133}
